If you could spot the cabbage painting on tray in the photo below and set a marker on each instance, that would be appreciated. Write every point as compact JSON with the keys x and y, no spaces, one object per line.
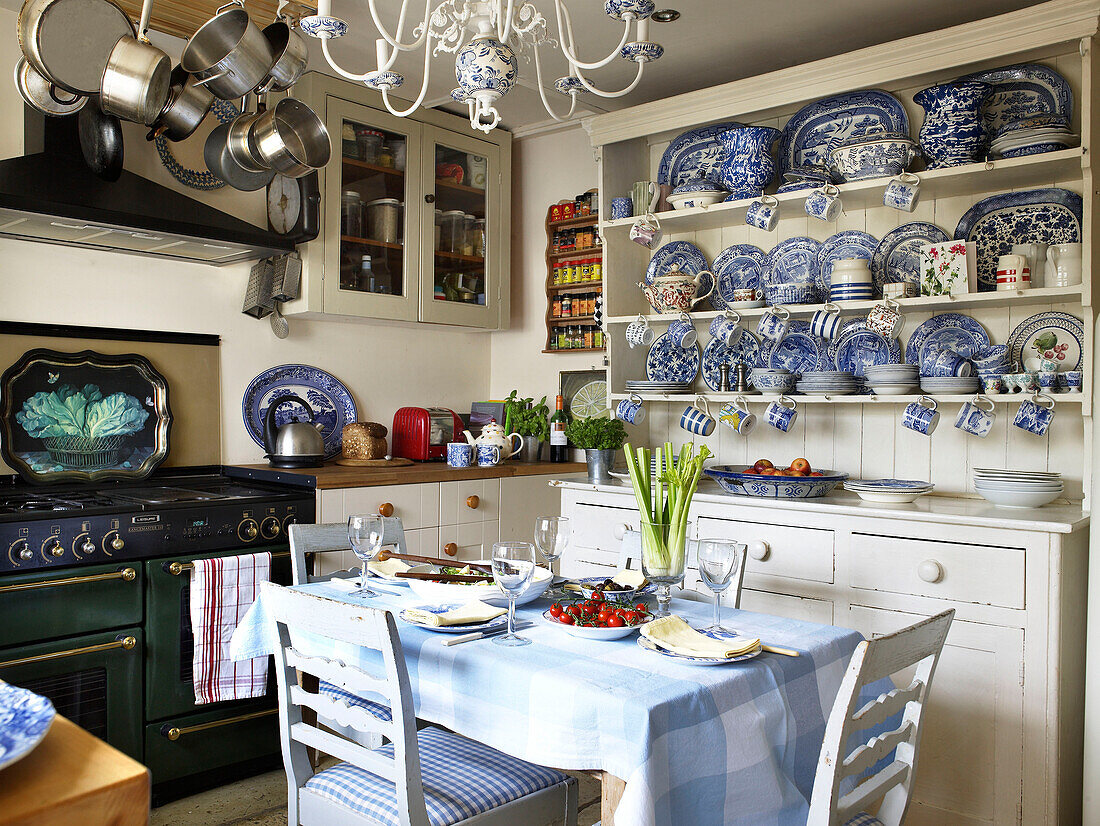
{"x":948,"y":268}
{"x":83,"y":416}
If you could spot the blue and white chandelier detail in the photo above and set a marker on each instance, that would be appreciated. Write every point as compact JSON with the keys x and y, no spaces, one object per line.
{"x":485,"y":36}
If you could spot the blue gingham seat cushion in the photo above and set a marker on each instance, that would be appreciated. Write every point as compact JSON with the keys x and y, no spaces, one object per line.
{"x":462,"y":778}
{"x":864,"y":819}
{"x":334,"y":692}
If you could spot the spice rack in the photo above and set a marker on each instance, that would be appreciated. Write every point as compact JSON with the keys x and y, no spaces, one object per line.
{"x":574,"y":279}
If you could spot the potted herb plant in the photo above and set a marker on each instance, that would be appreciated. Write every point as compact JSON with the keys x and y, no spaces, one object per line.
{"x":600,"y":438}
{"x":531,"y":421}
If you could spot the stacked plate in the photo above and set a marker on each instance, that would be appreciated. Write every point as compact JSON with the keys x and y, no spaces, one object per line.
{"x":889,"y":491}
{"x":1018,"y":488}
{"x":828,"y":382}
{"x":659,"y":386}
{"x":950,"y":385}
{"x":1033,"y":136}
{"x":892,"y":379}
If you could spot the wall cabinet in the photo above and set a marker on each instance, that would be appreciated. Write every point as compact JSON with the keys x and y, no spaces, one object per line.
{"x":414,"y":215}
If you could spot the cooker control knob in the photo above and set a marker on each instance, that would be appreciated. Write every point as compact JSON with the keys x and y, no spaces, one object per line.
{"x":82,"y":545}
{"x":88,"y":546}
{"x":116,"y":543}
{"x":24,"y":553}
{"x":247,"y":530}
{"x":55,"y":548}
{"x":270,"y":527}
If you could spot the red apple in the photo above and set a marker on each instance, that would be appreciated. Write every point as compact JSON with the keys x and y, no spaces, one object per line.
{"x":817,"y":473}
{"x":801,"y":465}
{"x":762,"y":463}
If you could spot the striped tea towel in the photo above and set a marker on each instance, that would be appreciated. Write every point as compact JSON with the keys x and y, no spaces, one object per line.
{"x":222,"y":590}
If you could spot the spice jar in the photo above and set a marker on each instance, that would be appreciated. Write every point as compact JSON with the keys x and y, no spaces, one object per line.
{"x":557,"y":306}
{"x":382,"y":219}
{"x":452,"y":231}
{"x":479,"y":238}
{"x":370,"y":143}
{"x":468,"y":234}
{"x":351,"y":215}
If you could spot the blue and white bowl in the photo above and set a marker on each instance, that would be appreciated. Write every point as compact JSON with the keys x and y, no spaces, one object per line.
{"x":735,"y":479}
{"x":791,"y":294}
{"x":696,"y":193}
{"x":772,"y":381}
{"x":882,"y":156}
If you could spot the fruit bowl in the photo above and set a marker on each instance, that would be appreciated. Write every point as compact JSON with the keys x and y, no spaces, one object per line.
{"x":739,"y":480}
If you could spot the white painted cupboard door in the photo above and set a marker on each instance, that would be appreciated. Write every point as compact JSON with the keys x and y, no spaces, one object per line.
{"x":807,"y":609}
{"x":970,"y":764}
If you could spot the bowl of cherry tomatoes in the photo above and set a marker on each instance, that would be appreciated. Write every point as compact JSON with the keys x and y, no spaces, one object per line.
{"x":596,"y":618}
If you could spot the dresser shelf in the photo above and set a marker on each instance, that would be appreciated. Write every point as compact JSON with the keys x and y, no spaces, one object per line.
{"x":710,"y":396}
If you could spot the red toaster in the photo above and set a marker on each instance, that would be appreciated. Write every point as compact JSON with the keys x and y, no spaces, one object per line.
{"x":422,"y":433}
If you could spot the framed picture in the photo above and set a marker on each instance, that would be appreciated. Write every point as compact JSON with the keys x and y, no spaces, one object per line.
{"x":585,"y":393}
{"x":83,"y":416}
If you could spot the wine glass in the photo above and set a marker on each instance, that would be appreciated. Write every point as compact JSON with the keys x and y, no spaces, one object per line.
{"x":551,"y":537}
{"x":513,"y":567}
{"x":719,"y":562}
{"x":365,"y":534}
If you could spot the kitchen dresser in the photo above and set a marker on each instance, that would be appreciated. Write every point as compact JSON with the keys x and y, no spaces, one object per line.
{"x":1005,"y":742}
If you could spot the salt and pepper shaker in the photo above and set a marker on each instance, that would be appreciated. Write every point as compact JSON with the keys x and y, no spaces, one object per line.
{"x":724,"y":381}
{"x":742,"y":377}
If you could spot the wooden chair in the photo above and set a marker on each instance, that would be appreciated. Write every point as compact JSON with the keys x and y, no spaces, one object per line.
{"x":313,"y":540}
{"x":831,"y":805}
{"x":430,"y":778}
{"x":631,"y":551}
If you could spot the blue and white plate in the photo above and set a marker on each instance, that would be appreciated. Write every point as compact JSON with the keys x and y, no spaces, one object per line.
{"x":688,"y":257}
{"x":946,"y":331}
{"x":851,"y":243}
{"x":820,"y":125}
{"x":1022,"y":91}
{"x":443,"y":608}
{"x":857,"y":347}
{"x":746,"y":349}
{"x":1045,"y":216}
{"x":889,"y":484}
{"x":740,"y":266}
{"x":332,"y":404}
{"x":897,"y":257}
{"x":648,"y":645}
{"x":25,"y":718}
{"x":793,"y":261}
{"x":1053,"y":335}
{"x":797,"y":351}
{"x":694,"y":155}
{"x":668,"y":361}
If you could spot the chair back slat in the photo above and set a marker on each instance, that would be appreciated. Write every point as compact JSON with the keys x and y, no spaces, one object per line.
{"x":355,"y":717}
{"x":887,"y":705}
{"x":332,"y":537}
{"x":344,"y":749}
{"x":897,"y":651}
{"x":863,"y":795}
{"x":347,"y":677}
{"x":875,"y":749}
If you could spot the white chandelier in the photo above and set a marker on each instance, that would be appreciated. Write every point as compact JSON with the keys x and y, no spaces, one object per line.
{"x":484,"y":36}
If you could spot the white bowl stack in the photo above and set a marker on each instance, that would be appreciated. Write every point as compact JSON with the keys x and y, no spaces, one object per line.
{"x":889,"y":491}
{"x":828,"y":382}
{"x":893,"y":379}
{"x":1018,"y":488}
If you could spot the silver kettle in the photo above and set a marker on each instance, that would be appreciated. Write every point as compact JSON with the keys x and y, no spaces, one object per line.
{"x":295,"y":444}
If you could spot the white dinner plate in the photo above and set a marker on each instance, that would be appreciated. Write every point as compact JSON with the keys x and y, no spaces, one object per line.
{"x":684,"y":658}
{"x":496,"y":622}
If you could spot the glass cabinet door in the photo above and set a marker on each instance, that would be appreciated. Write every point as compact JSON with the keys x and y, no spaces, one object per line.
{"x":460,"y":229}
{"x":371,"y":181}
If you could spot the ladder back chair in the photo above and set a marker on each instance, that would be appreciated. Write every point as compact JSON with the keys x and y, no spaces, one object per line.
{"x":833,"y":803}
{"x":430,"y":778}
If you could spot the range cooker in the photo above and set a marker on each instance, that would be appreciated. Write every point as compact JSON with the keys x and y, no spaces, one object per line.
{"x":95,"y":612}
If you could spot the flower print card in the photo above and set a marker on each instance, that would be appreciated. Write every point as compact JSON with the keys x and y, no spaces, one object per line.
{"x":949,"y":268}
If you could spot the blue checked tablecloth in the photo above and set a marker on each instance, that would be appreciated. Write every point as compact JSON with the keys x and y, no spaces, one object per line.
{"x":697,"y":746}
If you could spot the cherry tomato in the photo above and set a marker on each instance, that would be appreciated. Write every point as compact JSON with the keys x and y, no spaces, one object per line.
{"x":597,"y":596}
{"x":630,"y":617}
{"x":566,"y":619}
{"x":572,"y":610}
{"x":555,"y":610}
{"x":641,"y":608}
{"x":615,"y":622}
{"x":603,"y":615}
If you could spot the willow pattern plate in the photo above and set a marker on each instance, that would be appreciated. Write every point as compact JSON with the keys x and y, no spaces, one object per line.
{"x":950,"y":331}
{"x":332,"y":404}
{"x":694,"y":155}
{"x":25,"y":717}
{"x":737,"y":267}
{"x":1020,"y":91}
{"x":897,"y":256}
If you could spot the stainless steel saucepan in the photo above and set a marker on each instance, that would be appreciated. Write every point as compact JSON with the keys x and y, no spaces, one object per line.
{"x":42,"y":95}
{"x":229,"y":53}
{"x":225,"y":167}
{"x":188,"y":103}
{"x":291,"y":57}
{"x":68,"y":42}
{"x":138,"y":76}
{"x":240,"y":145}
{"x":291,"y":138}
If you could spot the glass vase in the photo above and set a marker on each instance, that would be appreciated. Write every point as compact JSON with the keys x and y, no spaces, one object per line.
{"x":663,"y":559}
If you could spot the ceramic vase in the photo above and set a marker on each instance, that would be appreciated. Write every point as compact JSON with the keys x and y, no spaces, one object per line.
{"x":747,"y":165}
{"x":952,"y":131}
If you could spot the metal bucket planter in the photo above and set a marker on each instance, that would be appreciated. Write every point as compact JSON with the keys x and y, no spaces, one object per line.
{"x":531,"y":449}
{"x":600,"y":463}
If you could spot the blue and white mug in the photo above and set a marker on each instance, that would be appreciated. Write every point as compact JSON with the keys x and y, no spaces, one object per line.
{"x":630,"y":410}
{"x":921,"y":416}
{"x":460,"y":454}
{"x":622,"y":208}
{"x":974,"y":419}
{"x":763,"y":214}
{"x":682,"y":332}
{"x":697,"y":420}
{"x":638,"y":333}
{"x":824,"y":204}
{"x":826,"y":322}
{"x":781,"y":414}
{"x":1034,"y":416}
{"x":774,"y":322}
{"x":726,"y":326}
{"x":947,"y":363}
{"x":902,"y":192}
{"x":489,"y":455}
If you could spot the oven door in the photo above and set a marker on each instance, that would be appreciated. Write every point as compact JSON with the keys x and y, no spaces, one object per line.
{"x":94,"y":680}
{"x":169,"y":690}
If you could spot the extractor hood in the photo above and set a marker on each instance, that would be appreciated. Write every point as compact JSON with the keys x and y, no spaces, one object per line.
{"x":50,"y":195}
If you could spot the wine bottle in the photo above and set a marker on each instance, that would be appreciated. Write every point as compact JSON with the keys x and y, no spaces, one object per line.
{"x":559,"y":445}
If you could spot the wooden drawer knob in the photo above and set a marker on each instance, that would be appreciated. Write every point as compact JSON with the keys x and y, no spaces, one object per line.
{"x":385,"y":509}
{"x":450,"y":549}
{"x":472,"y":502}
{"x":930,"y":571}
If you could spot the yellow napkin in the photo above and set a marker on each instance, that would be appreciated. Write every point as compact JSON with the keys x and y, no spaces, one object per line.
{"x":631,"y":579}
{"x":675,"y":635}
{"x":467,"y":614}
{"x":389,"y":568}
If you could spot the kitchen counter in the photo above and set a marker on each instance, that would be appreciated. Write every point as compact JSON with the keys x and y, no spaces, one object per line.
{"x":333,"y":476}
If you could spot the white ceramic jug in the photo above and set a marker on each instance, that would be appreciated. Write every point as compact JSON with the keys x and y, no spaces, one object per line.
{"x":1064,"y":265}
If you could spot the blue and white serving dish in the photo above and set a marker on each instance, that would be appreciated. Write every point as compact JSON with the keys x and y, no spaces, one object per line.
{"x":889,"y":491}
{"x":737,"y":267}
{"x":746,"y":349}
{"x":25,"y":718}
{"x":798,"y":351}
{"x":772,"y":382}
{"x":857,"y":347}
{"x":332,"y":404}
{"x":694,"y":155}
{"x":696,"y":194}
{"x":1050,"y":335}
{"x":1045,"y":216}
{"x":793,"y":261}
{"x":897,"y":257}
{"x":872,"y":156}
{"x":850,"y":243}
{"x":668,"y":361}
{"x":946,"y":331}
{"x":496,"y":622}
{"x":1022,"y":91}
{"x":792,"y":294}
{"x":732,"y":636}
{"x":737,"y":479}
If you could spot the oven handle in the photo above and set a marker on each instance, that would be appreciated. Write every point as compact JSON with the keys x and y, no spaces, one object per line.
{"x":177,"y":568}
{"x":123,"y":641}
{"x":174,"y":733}
{"x":125,"y":574}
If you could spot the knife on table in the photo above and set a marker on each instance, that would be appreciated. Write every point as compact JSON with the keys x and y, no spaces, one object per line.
{"x":477,"y":635}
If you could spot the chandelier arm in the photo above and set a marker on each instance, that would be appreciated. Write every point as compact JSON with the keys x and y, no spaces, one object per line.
{"x":619,"y":94}
{"x":542,"y":93}
{"x":423,"y":90}
{"x":565,"y":30}
{"x":504,"y":24}
{"x":336,"y":67}
{"x":395,"y":40}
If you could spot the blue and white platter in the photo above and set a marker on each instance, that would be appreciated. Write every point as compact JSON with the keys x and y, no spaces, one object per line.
{"x":25,"y":717}
{"x":1045,"y":216}
{"x":946,"y":331}
{"x":857,"y":347}
{"x":668,"y":361}
{"x":1054,"y":335}
{"x":897,"y":257}
{"x":717,"y":352}
{"x":688,"y":257}
{"x":694,"y":155}
{"x":739,"y":480}
{"x":732,"y":636}
{"x":818,"y":126}
{"x":793,"y":261}
{"x":851,"y":243}
{"x":1021,"y":91}
{"x":332,"y":404}
{"x":797,"y":351}
{"x":740,"y":266}
{"x":496,"y":622}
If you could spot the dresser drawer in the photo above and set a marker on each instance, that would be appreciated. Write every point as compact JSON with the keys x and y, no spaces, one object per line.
{"x":473,"y":541}
{"x":416,"y":505}
{"x":945,"y":570}
{"x":792,"y":553}
{"x":599,"y":527}
{"x":469,"y":500}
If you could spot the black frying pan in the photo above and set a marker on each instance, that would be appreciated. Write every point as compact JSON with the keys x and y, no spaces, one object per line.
{"x":100,"y":141}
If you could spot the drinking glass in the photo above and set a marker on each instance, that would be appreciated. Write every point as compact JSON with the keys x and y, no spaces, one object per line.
{"x":719,"y":562}
{"x":551,"y":537}
{"x":513,"y":567}
{"x":365,"y":534}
